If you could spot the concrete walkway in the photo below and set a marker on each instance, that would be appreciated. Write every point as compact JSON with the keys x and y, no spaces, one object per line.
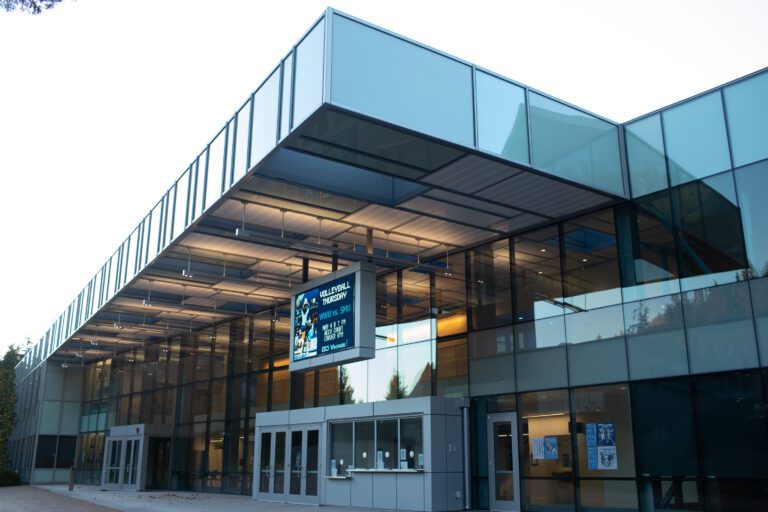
{"x":158,"y":501}
{"x":25,"y":498}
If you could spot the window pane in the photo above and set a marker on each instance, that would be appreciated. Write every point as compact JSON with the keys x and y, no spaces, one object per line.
{"x":538,"y":284}
{"x":452,"y":369}
{"x":502,"y":123}
{"x":541,"y":360}
{"x":711,"y":245}
{"x":386,"y":310}
{"x":759,"y":290}
{"x":546,"y":414}
{"x":663,"y":495}
{"x":354,"y":383}
{"x":308,"y":86}
{"x":719,"y":326}
{"x":411,"y":443}
{"x":264,"y":129}
{"x":604,"y":431}
{"x":741,"y":496}
{"x":181,"y":199}
{"x":414,"y":366}
{"x":490,"y":290}
{"x":697,"y":146}
{"x":382,"y":375}
{"x":491,"y":362}
{"x":747,"y":105}
{"x":613,"y":496}
{"x":727,"y":404}
{"x":386,"y":444}
{"x":597,"y":352}
{"x":451,"y":297}
{"x":46,"y":451}
{"x":213,"y":183}
{"x":285,"y":95}
{"x":645,"y":155}
{"x":751,"y":184}
{"x":665,"y":428}
{"x":365,"y":454}
{"x":417,"y":322}
{"x":648,"y":249}
{"x":328,"y":388}
{"x":591,"y":262}
{"x":574,"y":145}
{"x":387,"y":77}
{"x":241,"y":141}
{"x":655,"y":338}
{"x":341,"y":448}
{"x":546,"y":495}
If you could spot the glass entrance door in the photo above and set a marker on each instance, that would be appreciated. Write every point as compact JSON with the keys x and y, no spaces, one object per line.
{"x":288,"y":464}
{"x":123,"y":457}
{"x":503,"y":462}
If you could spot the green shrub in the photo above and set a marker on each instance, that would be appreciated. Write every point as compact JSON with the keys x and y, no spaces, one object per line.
{"x":8,"y":477}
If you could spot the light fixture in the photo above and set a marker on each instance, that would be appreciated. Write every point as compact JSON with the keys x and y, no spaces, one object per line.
{"x":148,"y":300}
{"x":118,"y":324}
{"x":543,"y":250}
{"x":544,"y":415}
{"x":584,"y":260}
{"x":187,"y":272}
{"x":447,"y":272}
{"x":541,"y":272}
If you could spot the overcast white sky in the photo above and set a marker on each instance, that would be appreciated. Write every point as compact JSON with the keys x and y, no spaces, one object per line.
{"x":104,"y":103}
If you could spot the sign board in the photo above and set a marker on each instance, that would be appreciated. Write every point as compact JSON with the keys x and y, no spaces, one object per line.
{"x":333,"y":318}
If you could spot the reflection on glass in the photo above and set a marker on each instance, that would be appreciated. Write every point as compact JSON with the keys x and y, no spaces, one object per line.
{"x":574,"y":145}
{"x":415,"y":369}
{"x":297,"y":462}
{"x":452,"y":368}
{"x":751,"y":184}
{"x":696,"y":140}
{"x":591,"y":262}
{"x":719,"y":327}
{"x":491,"y":362}
{"x":548,"y":494}
{"x":545,"y":417}
{"x":214,"y":181}
{"x":354,"y":382}
{"x":285,"y":95}
{"x":279,"y":470}
{"x":502,"y":123}
{"x":538,"y":284}
{"x":655,"y":337}
{"x":747,"y":105}
{"x":308,"y":85}
{"x":242,"y":137}
{"x":382,"y":375}
{"x":451,"y":297}
{"x":649,"y":252}
{"x":608,"y":495}
{"x":264,"y":126}
{"x":395,"y":80}
{"x":386,"y":310}
{"x":710,"y":243}
{"x":181,"y":198}
{"x":645,"y":156}
{"x":489,"y":284}
{"x":313,"y":442}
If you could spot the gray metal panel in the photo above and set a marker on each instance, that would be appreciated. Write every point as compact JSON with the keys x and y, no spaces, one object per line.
{"x":337,"y":492}
{"x":267,"y":419}
{"x":400,"y":407}
{"x":313,"y":415}
{"x":338,"y":412}
{"x":597,"y":362}
{"x":410,"y":491}
{"x":470,"y":174}
{"x":454,"y":491}
{"x":362,"y":490}
{"x":541,"y":369}
{"x":454,"y":461}
{"x":435,"y":497}
{"x":384,"y":491}
{"x":435,"y":442}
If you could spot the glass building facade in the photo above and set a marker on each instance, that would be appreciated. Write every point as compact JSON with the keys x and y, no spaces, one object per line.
{"x":629,"y":335}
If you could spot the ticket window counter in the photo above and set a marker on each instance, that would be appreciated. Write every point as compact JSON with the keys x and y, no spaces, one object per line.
{"x":396,"y":455}
{"x":136,"y":457}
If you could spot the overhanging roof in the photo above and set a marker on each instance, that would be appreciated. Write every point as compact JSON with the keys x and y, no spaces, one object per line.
{"x":360,"y":145}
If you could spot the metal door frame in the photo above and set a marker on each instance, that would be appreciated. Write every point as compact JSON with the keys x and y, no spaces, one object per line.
{"x":493,"y":504}
{"x":302,"y":497}
{"x":137,"y":445}
{"x":285,"y":496}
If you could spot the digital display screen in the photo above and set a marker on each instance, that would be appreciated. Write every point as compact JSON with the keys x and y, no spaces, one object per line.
{"x":324,"y":319}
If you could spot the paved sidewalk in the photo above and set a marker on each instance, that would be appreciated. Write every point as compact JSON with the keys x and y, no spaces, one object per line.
{"x":25,"y":498}
{"x":163,"y":501}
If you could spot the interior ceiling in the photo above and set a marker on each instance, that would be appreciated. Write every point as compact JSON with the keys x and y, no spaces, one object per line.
{"x":247,"y":251}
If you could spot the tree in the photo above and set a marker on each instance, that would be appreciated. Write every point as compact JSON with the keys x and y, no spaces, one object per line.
{"x":7,"y":399}
{"x":30,"y":6}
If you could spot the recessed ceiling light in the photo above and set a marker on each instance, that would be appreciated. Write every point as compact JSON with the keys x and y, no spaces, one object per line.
{"x":543,"y":250}
{"x":584,"y":260}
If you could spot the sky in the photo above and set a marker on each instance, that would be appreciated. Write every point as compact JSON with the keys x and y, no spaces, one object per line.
{"x":104,"y":103}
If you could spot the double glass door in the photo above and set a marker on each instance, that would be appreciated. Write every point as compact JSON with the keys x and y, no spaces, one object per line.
{"x":503,"y":462}
{"x":123,"y":456}
{"x":288,"y":464}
